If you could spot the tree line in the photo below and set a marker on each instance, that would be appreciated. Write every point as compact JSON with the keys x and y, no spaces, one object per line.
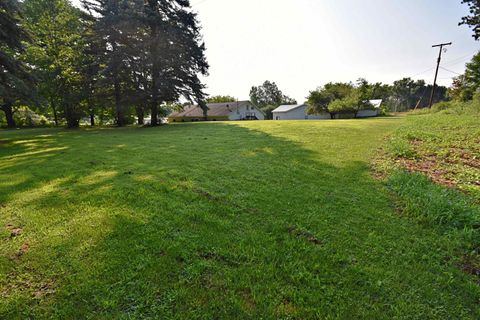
{"x":130,"y":59}
{"x":113,"y":59}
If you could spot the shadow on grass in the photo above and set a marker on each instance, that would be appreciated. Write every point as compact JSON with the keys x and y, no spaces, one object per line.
{"x":195,"y":221}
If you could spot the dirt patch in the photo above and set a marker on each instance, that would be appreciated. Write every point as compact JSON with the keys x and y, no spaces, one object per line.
{"x":14,"y":231}
{"x":310,"y":237}
{"x":38,"y":288}
{"x":23,"y":249}
{"x":471,"y":265}
{"x":249,"y":303}
{"x":219,"y":258}
{"x":43,"y":290}
{"x":3,"y":142}
{"x":430,"y":167}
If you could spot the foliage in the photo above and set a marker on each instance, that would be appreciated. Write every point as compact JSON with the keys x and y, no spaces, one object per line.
{"x":16,"y":83}
{"x":221,"y":99}
{"x":320,"y":99}
{"x":268,"y":94}
{"x":57,"y":54}
{"x":473,"y":20}
{"x":336,"y":98}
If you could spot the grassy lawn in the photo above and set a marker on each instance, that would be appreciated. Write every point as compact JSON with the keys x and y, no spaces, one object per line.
{"x":272,"y":220}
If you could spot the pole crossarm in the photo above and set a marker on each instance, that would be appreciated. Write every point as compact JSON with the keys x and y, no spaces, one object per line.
{"x":441,"y":45}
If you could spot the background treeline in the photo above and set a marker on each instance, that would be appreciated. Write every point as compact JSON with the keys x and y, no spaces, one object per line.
{"x":112,"y":62}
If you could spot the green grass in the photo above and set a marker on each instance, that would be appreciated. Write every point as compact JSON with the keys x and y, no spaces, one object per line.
{"x":444,"y":146}
{"x":272,"y":220}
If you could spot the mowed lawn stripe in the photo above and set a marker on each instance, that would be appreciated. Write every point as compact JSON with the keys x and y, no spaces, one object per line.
{"x":216,"y":220}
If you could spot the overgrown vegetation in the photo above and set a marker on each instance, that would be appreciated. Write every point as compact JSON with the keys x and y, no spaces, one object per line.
{"x":443,"y":143}
{"x":432,"y":166}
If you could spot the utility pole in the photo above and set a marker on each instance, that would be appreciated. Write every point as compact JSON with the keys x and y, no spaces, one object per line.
{"x":436,"y":72}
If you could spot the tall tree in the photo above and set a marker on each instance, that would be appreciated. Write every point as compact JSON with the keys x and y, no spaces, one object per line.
{"x":320,"y":99}
{"x":57,"y":54}
{"x":16,"y":83}
{"x":176,"y":54}
{"x":473,"y":20}
{"x":268,"y":96}
{"x":116,"y":27}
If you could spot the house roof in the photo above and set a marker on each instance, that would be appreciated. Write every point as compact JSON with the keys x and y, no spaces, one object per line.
{"x":288,"y":107}
{"x":376,"y":103}
{"x":214,"y":110}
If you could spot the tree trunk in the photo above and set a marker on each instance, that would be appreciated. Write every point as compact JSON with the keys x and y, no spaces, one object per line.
{"x":55,"y":114}
{"x":155,"y":76}
{"x":118,"y":106}
{"x":7,"y":108}
{"x":72,"y":120}
{"x":92,"y":118}
{"x":141,"y":116}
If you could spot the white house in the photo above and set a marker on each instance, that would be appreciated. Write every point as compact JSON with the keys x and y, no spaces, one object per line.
{"x":291,"y":112}
{"x":299,"y":112}
{"x":229,"y":111}
{"x":371,"y":113}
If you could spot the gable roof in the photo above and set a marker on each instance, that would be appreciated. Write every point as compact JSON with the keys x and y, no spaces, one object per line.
{"x":376,"y":103}
{"x":214,"y":109}
{"x":288,"y":107}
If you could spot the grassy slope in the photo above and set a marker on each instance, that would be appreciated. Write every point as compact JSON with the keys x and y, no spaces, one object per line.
{"x":444,"y":146}
{"x":239,"y":220}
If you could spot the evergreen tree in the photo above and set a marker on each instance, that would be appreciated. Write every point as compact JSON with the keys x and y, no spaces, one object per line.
{"x":16,"y":84}
{"x":176,"y":54}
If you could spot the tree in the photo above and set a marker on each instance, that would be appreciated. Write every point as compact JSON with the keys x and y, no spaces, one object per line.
{"x":267,"y":95}
{"x":320,"y":99}
{"x":409,"y":94}
{"x":16,"y":83}
{"x":473,"y":20}
{"x":176,"y":54}
{"x":116,"y":29}
{"x":57,"y":52}
{"x":465,"y":86}
{"x":221,"y":99}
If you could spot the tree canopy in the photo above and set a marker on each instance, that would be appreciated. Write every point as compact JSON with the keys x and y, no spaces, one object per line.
{"x":268,"y":96}
{"x":220,"y":99}
{"x":473,"y":20}
{"x":16,"y":82}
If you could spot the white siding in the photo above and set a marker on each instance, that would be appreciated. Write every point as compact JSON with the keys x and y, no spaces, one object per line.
{"x":296,"y":114}
{"x":242,"y":112}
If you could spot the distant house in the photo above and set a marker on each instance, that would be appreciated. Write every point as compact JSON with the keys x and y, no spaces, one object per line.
{"x":371,"y":113}
{"x":231,"y":111}
{"x":299,"y":112}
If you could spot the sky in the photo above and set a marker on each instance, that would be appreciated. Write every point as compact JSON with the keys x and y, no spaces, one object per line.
{"x":304,"y":44}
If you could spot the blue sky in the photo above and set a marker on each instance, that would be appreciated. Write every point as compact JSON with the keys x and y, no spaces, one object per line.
{"x":303,"y":44}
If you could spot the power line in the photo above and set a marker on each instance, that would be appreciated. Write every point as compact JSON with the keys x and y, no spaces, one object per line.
{"x":425,"y":71}
{"x":450,"y":71}
{"x":460,"y":59}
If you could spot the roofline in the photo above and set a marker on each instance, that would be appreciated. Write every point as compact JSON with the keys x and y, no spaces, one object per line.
{"x":297,"y":106}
